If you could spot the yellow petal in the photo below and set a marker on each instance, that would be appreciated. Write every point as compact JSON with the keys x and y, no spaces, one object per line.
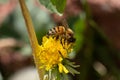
{"x":62,"y":68}
{"x":65,"y":70}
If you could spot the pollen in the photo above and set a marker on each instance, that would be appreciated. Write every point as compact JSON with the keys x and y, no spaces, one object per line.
{"x":52,"y":53}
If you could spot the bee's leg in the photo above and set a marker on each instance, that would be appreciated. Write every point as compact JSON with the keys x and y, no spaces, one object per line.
{"x":63,"y":42}
{"x":57,"y":37}
{"x":65,"y":39}
{"x":61,"y":54}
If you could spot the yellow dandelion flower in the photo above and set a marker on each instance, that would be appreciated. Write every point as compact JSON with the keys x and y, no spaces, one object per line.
{"x":51,"y":54}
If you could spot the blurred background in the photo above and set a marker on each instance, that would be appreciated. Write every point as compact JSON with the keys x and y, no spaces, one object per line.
{"x":96,"y":24}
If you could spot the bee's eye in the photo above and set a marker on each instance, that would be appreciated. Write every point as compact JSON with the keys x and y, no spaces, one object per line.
{"x":71,"y":39}
{"x":70,"y":34}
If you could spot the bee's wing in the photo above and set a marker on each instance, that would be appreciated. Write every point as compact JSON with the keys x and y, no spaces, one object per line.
{"x":64,"y":23}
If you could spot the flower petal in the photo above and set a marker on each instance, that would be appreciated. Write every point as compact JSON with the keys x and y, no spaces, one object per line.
{"x":62,"y":68}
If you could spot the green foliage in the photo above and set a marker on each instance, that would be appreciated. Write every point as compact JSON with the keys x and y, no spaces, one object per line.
{"x":70,"y":66}
{"x":48,"y":5}
{"x":60,"y":4}
{"x":56,"y":75}
{"x":79,"y":27}
{"x":56,"y":6}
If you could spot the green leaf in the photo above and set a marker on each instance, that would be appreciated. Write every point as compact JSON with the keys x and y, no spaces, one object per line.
{"x":49,"y":5}
{"x":56,"y":6}
{"x":59,"y":4}
{"x":79,"y":26}
{"x":72,"y":64}
{"x":65,"y":76}
{"x":53,"y":2}
{"x":59,"y":76}
{"x":45,"y":2}
{"x":72,"y":70}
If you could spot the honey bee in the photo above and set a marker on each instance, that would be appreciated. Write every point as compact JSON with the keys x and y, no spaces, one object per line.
{"x":62,"y":32}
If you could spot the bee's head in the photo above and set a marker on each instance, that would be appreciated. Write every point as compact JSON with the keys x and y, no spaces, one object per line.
{"x":72,"y":39}
{"x":69,"y":33}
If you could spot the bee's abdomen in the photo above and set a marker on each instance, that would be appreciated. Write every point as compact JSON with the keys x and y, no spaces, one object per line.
{"x":59,"y":30}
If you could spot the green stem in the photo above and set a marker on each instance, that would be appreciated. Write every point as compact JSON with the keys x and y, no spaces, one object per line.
{"x":32,"y":35}
{"x":29,"y":24}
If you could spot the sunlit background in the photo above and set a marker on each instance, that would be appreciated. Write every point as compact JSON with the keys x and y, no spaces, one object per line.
{"x":96,"y":24}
